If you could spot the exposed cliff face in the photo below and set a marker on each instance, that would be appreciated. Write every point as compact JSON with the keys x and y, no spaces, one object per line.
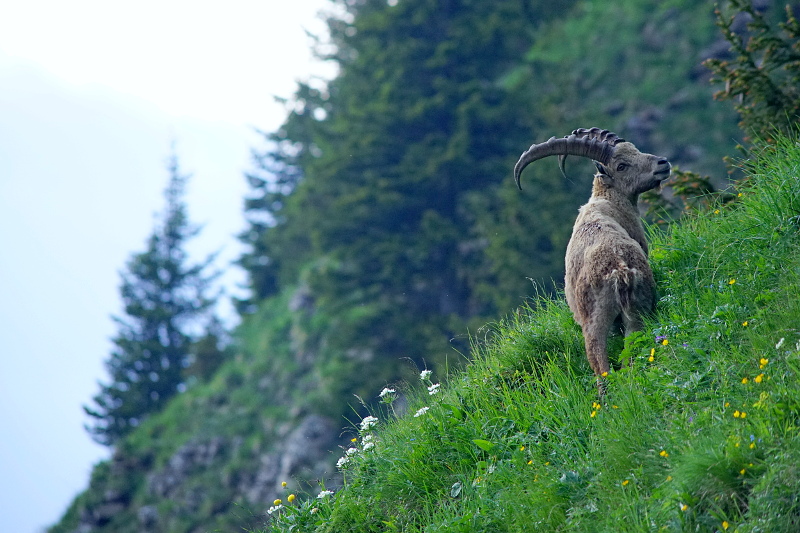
{"x":203,"y":483}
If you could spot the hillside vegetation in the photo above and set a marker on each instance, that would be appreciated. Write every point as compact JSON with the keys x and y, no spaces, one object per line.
{"x":384,"y":231}
{"x":700,"y":430}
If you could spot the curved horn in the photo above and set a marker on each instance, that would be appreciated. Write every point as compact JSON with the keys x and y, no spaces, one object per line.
{"x":593,"y":143}
{"x":601,"y":135}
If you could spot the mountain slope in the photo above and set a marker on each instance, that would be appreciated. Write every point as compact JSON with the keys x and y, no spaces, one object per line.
{"x":340,"y":318}
{"x":700,"y":433}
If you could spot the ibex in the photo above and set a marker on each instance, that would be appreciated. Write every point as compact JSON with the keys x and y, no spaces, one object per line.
{"x":608,"y":277}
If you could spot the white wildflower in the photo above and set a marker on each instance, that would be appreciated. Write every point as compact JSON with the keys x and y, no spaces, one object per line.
{"x":368,"y":445}
{"x":421,"y":412}
{"x":368,"y":422}
{"x":274,"y":509}
{"x":433,"y":389}
{"x":342,"y":461}
{"x":367,"y":438}
{"x":351,"y":451}
{"x":425,"y":374}
{"x":780,"y":343}
{"x":386,"y":391}
{"x":324,"y":494}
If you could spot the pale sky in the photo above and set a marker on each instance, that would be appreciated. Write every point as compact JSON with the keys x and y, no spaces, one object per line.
{"x":92,"y":96}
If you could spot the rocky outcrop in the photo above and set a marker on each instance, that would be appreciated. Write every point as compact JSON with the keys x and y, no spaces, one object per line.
{"x":208,"y":475}
{"x":305,"y":453}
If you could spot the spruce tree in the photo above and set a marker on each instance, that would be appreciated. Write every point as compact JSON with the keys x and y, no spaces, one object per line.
{"x":763,"y":77}
{"x":164,"y":297}
{"x":366,"y":198}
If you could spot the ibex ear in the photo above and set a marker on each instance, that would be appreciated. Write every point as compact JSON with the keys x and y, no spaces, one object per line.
{"x":602,"y":171}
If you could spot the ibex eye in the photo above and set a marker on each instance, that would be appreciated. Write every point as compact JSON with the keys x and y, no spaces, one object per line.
{"x":621,"y":167}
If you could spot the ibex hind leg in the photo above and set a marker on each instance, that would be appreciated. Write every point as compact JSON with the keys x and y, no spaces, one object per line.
{"x":595,"y":335}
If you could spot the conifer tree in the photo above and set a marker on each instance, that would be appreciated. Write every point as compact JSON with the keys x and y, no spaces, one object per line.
{"x":763,"y":77}
{"x":163,"y":296}
{"x":366,"y":198}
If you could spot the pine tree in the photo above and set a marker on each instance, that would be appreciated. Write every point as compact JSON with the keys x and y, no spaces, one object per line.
{"x":763,"y":77}
{"x":164,"y":298}
{"x":367,"y":197}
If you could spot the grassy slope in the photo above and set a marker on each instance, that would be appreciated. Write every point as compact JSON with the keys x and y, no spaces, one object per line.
{"x":699,"y":434}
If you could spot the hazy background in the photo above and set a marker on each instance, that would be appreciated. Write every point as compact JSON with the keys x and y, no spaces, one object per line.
{"x":93,"y":95}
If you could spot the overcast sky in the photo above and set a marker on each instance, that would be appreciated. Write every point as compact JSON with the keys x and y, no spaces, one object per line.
{"x":93,"y":94}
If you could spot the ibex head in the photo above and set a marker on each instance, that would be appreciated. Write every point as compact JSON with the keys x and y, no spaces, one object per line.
{"x":619,"y":163}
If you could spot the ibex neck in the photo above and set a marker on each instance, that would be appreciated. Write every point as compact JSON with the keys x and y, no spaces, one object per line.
{"x":622,"y":208}
{"x":612,"y":194}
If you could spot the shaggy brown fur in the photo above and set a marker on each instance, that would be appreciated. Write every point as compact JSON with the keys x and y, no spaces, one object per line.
{"x":608,"y":276}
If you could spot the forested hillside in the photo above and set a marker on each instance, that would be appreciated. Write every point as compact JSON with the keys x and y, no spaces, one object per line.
{"x":387,"y":203}
{"x":384,"y":229}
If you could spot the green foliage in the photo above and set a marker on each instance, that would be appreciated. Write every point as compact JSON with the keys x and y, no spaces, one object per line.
{"x":369,"y":196}
{"x":163,"y":297}
{"x":387,"y":196}
{"x":763,"y":79}
{"x":699,"y":433}
{"x":691,"y":193}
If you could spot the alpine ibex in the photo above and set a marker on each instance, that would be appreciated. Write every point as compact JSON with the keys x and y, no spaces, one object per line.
{"x":608,"y":277}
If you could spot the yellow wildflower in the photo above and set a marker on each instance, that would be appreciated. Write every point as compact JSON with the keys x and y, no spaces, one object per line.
{"x":669,"y":478}
{"x":752,"y":445}
{"x":594,"y":413}
{"x":745,"y":323}
{"x":725,"y":524}
{"x":684,"y":507}
{"x":758,"y":378}
{"x":664,"y":453}
{"x":624,"y":483}
{"x":277,"y":502}
{"x":664,"y":342}
{"x":742,"y":471}
{"x":736,"y":414}
{"x":731,"y":282}
{"x":290,"y":498}
{"x":763,"y":362}
{"x":283,"y":484}
{"x":522,"y":448}
{"x":604,"y":374}
{"x":745,"y":380}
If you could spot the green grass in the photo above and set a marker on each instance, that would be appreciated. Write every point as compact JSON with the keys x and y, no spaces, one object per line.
{"x":700,"y":433}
